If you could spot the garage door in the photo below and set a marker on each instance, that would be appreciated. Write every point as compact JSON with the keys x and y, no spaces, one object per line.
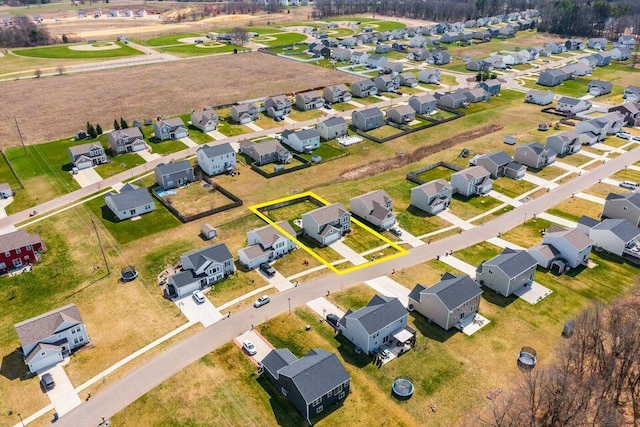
{"x":41,"y":362}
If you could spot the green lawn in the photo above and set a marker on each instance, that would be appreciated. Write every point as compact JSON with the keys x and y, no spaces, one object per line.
{"x":291,"y":50}
{"x":384,"y":132}
{"x":467,"y":208}
{"x":64,"y":52}
{"x":344,"y":106}
{"x":477,"y":253}
{"x":326,"y":151}
{"x":419,"y":223}
{"x":169,"y":39}
{"x":230,"y":129}
{"x":280,"y":39}
{"x":263,"y":30}
{"x":382,"y":25}
{"x":627,"y":175}
{"x":511,"y":187}
{"x":301,"y":116}
{"x":164,"y":147}
{"x":573,"y":208}
{"x":119,"y":163}
{"x":361,"y":240}
{"x":193,"y":49}
{"x":198,"y":136}
{"x":439,"y":172}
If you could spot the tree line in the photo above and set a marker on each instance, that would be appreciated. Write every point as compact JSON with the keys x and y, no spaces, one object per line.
{"x":24,"y":32}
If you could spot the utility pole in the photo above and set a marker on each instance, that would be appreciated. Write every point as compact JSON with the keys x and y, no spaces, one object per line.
{"x":24,"y":148}
{"x":100,"y":243}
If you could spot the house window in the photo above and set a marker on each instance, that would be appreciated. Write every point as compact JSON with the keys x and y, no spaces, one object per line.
{"x":316,"y":402}
{"x":319,"y":409}
{"x":624,"y":208}
{"x":8,"y":253}
{"x":3,"y":265}
{"x":73,"y":331}
{"x":43,"y":354}
{"x":17,"y":262}
{"x":283,"y":391}
{"x":81,"y":339}
{"x":341,"y":395}
{"x":75,"y":340}
{"x":18,"y":250}
{"x":330,"y":393}
{"x":78,"y":329}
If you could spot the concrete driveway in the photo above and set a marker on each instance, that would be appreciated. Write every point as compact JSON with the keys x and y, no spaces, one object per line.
{"x":87,"y":177}
{"x":205,"y":313}
{"x":323,"y":306}
{"x":389,"y":287}
{"x":148,"y":156}
{"x":347,"y":253}
{"x":63,"y":395}
{"x":263,"y":346}
{"x":277,"y":280}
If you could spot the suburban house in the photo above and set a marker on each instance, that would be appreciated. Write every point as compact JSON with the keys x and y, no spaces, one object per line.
{"x":597,"y":43}
{"x":592,"y":131}
{"x":331,"y":128}
{"x":266,"y":151}
{"x":174,"y":174}
{"x":614,"y":121}
{"x":327,"y":224}
{"x":387,"y":83}
{"x":341,"y":54}
{"x":534,"y":155}
{"x":127,"y":140}
{"x":626,"y":41}
{"x":408,"y":79}
{"x":205,"y":120}
{"x":507,"y":272}
{"x":364,"y":88}
{"x":376,"y":324}
{"x":87,"y":155}
{"x":244,"y":113}
{"x":501,"y":164}
{"x":312,"y":383}
{"x":616,"y":236}
{"x":432,"y":197}
{"x":422,"y":104}
{"x":130,"y":202}
{"x":170,"y":129}
{"x":401,"y":114}
{"x":440,"y":57}
{"x":216,"y":159}
{"x":376,"y":61}
{"x":492,"y":86}
{"x":368,"y":119}
{"x":392,"y":68}
{"x":540,"y":97}
{"x":599,"y":87}
{"x":200,"y":268}
{"x":429,"y":76}
{"x":564,"y":143}
{"x":337,"y":93}
{"x":551,"y":77}
{"x":603,"y":58}
{"x":309,"y":101}
{"x":632,"y":93}
{"x":383,"y":48}
{"x":475,"y":95}
{"x":277,"y":106}
{"x":562,"y":249}
{"x":452,"y":100}
{"x":574,"y":44}
{"x":623,"y":206}
{"x":303,"y":141}
{"x":19,"y":248}
{"x":472,"y":181}
{"x":447,"y":302}
{"x":630,"y":112}
{"x":620,"y":53}
{"x":419,"y":54}
{"x":376,"y":207}
{"x":572,"y":105}
{"x":48,"y":338}
{"x":358,"y":57}
{"x":266,"y":244}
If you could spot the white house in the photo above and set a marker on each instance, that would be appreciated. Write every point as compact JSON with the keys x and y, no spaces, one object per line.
{"x":302,"y":141}
{"x":562,"y":249}
{"x":216,"y":159}
{"x":130,"y":202}
{"x":375,"y":207}
{"x":327,"y":224}
{"x":266,"y":244}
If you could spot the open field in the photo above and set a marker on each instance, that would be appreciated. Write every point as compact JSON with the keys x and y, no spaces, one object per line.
{"x":66,"y":52}
{"x":573,"y":208}
{"x":186,"y":50}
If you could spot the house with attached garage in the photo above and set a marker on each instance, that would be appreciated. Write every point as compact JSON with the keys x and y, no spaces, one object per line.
{"x":599,"y":87}
{"x":376,"y":207}
{"x":620,"y":53}
{"x":200,"y":268}
{"x":623,"y":206}
{"x":408,"y":79}
{"x":539,"y":97}
{"x":387,"y":83}
{"x":19,"y":248}
{"x":266,"y":151}
{"x":603,"y":58}
{"x":331,"y":128}
{"x":452,"y":100}
{"x":244,"y":113}
{"x":475,"y":95}
{"x":341,"y":54}
{"x":401,"y":114}
{"x":417,"y":41}
{"x":574,"y":44}
{"x":130,"y":202}
{"x":564,"y":143}
{"x":376,"y":324}
{"x":473,"y":181}
{"x":422,"y":104}
{"x":48,"y":338}
{"x":383,"y":48}
{"x":313,"y":383}
{"x":447,"y":302}
{"x":440,"y":57}
{"x":626,"y":41}
{"x":277,"y":106}
{"x":87,"y":155}
{"x":216,"y":159}
{"x":551,"y":77}
{"x":419,"y":54}
{"x":309,"y":101}
{"x":364,"y":88}
{"x":562,"y":249}
{"x":392,"y":67}
{"x":129,"y":140}
{"x":507,"y":272}
{"x":429,"y":76}
{"x":205,"y":120}
{"x":614,"y":120}
{"x":366,"y":120}
{"x":534,"y":155}
{"x":327,"y":224}
{"x":174,"y":174}
{"x":569,"y":105}
{"x":492,"y":86}
{"x":501,"y":164}
{"x":376,"y":61}
{"x":592,"y":131}
{"x":630,"y":112}
{"x":597,"y":43}
{"x":303,"y":141}
{"x":616,"y":236}
{"x":358,"y":57}
{"x":267,"y":244}
{"x":432,"y":197}
{"x":336,"y":93}
{"x":450,"y":37}
{"x":170,"y":129}
{"x":632,"y":93}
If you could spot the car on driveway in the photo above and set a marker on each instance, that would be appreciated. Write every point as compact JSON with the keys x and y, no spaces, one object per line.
{"x":629,"y":185}
{"x":332,"y":319}
{"x":623,"y":135}
{"x":636,"y":138}
{"x":267,"y":269}
{"x":47,"y":381}
{"x":264,"y":299}
{"x":198,"y":297}
{"x":249,"y":347}
{"x":395,"y":230}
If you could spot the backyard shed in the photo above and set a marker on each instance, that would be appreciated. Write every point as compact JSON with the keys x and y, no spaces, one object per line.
{"x":208,"y":231}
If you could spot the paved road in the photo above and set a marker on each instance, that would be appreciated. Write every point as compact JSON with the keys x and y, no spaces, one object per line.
{"x":142,"y":380}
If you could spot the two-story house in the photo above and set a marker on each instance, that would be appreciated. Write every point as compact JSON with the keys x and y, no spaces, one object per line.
{"x":432,"y":197}
{"x":564,"y":143}
{"x":277,"y":106}
{"x":216,"y":159}
{"x":473,"y":181}
{"x":127,"y":140}
{"x":570,"y":105}
{"x":562,"y":249}
{"x":205,"y":120}
{"x":266,"y":244}
{"x":173,"y":128}
{"x":130,"y":202}
{"x":244,"y":113}
{"x":534,"y":155}
{"x":507,"y":272}
{"x":401,"y":114}
{"x":87,"y":155}
{"x":387,"y":83}
{"x":309,"y":101}
{"x":501,"y":164}
{"x":623,"y":206}
{"x":364,"y":88}
{"x":376,"y":207}
{"x":429,"y":76}
{"x":423,"y":104}
{"x":337,"y":93}
{"x":327,"y":224}
{"x":19,"y":248}
{"x":616,"y":236}
{"x":332,"y":127}
{"x":174,"y":174}
{"x":539,"y":97}
{"x":367,"y":119}
{"x":266,"y":151}
{"x":302,"y":141}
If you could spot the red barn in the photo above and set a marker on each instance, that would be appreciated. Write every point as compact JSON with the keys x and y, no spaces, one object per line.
{"x":19,"y":248}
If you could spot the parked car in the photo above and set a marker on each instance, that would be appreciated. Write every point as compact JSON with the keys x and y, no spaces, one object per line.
{"x":630,"y":185}
{"x":198,"y":297}
{"x":332,"y":319}
{"x":267,"y":269}
{"x":395,"y":230}
{"x":47,"y":381}
{"x":623,"y":135}
{"x":636,"y":138}
{"x":264,"y":299}
{"x":249,"y":347}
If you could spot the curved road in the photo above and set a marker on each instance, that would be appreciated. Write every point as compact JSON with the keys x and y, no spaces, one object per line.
{"x":162,"y":367}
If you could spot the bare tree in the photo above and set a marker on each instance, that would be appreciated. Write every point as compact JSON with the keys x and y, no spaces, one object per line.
{"x":239,"y":36}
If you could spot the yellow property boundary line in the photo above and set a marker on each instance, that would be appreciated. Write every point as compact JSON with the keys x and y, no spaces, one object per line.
{"x":256,"y":210}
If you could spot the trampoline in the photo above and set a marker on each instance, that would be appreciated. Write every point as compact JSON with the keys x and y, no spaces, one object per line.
{"x":527,"y":357}
{"x":402,"y":388}
{"x":128,"y":273}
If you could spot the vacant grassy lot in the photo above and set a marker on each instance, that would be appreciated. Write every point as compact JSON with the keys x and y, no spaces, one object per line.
{"x":301,"y":116}
{"x":185,"y":50}
{"x":384,"y":132}
{"x":196,"y":198}
{"x":169,"y":39}
{"x":573,"y":208}
{"x":548,"y":173}
{"x":512,"y":187}
{"x":119,"y":163}
{"x":467,"y":208}
{"x":278,"y":39}
{"x":65,"y":52}
{"x":439,"y":172}
{"x":603,"y":190}
{"x":427,"y":274}
{"x":576,"y":160}
{"x":477,"y":253}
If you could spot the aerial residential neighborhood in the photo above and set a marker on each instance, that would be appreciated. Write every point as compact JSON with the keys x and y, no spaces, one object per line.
{"x":319,"y":213}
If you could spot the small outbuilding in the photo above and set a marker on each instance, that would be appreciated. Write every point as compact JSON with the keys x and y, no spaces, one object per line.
{"x":208,"y":231}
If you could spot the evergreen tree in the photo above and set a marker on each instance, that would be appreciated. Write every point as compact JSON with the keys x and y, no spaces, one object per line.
{"x":99,"y":129}
{"x":123,"y":123}
{"x":91,"y":131}
{"x":116,"y":125}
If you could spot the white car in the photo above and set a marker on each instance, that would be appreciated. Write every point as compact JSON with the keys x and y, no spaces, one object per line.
{"x":623,"y":135}
{"x":396,"y":231}
{"x":249,"y":347}
{"x":636,"y":138}
{"x":198,"y":297}
{"x":630,"y":185}
{"x":264,"y":299}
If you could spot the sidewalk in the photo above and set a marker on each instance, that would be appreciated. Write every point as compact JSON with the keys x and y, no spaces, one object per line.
{"x":458,"y":222}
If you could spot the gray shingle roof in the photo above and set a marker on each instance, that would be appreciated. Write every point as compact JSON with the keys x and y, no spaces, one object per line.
{"x":334,"y":121}
{"x":327,"y":214}
{"x":380,"y":312}
{"x":434,"y":187}
{"x":621,"y":228}
{"x":183,"y":278}
{"x":500,"y":158}
{"x":512,"y":262}
{"x":78,"y":150}
{"x":569,"y":100}
{"x":633,"y":198}
{"x":453,"y":290}
{"x":574,"y":237}
{"x":130,"y":197}
{"x":40,"y":327}
{"x":169,"y":168}
{"x":371,"y":112}
{"x":277,"y":359}
{"x":218,"y":252}
{"x":588,"y":221}
{"x":217,"y":150}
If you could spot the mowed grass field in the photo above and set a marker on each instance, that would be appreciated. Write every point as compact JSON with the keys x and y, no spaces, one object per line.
{"x":65,"y":52}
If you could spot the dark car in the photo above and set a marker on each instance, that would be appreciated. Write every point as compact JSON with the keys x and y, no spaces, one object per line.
{"x":47,"y":381}
{"x":332,"y":319}
{"x":267,"y":269}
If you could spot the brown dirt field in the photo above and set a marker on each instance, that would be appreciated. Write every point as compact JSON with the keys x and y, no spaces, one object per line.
{"x":64,"y":104}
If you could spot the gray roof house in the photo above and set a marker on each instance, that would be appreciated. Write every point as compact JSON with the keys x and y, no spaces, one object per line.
{"x":574,"y":44}
{"x":244,"y":113}
{"x":383,"y":48}
{"x":562,"y":249}
{"x":539,"y":97}
{"x":440,"y":57}
{"x":632,"y":93}
{"x":597,"y":43}
{"x":5,"y":190}
{"x":401,"y":114}
{"x":447,"y":302}
{"x":127,"y":140}
{"x":626,"y":40}
{"x":266,"y":244}
{"x":492,"y":86}
{"x":376,"y":61}
{"x":429,"y":76}
{"x":623,"y":206}
{"x":327,"y":224}
{"x":173,"y":128}
{"x":572,"y":105}
{"x":266,"y":151}
{"x":368,"y":119}
{"x":473,"y":181}
{"x":332,"y":127}
{"x":507,"y":272}
{"x":620,"y":53}
{"x":309,"y":100}
{"x":419,"y":54}
{"x":216,"y":159}
{"x":392,"y":67}
{"x":599,"y":87}
{"x":375,"y":207}
{"x":551,"y":77}
{"x":174,"y":174}
{"x":364,"y":88}
{"x":336,"y":93}
{"x":408,"y":79}
{"x":501,"y":164}
{"x":452,"y":100}
{"x":387,"y":83}
{"x":616,"y":236}
{"x":475,"y":95}
{"x":341,"y":54}
{"x":303,"y":141}
{"x":87,"y":155}
{"x":131,"y":201}
{"x":534,"y":155}
{"x":200,"y":268}
{"x":630,"y":112}
{"x":205,"y":120}
{"x":313,"y":383}
{"x":564,"y":143}
{"x":422,"y":104}
{"x":592,"y":131}
{"x":358,"y":57}
{"x":432,"y":197}
{"x":277,"y":106}
{"x":48,"y":338}
{"x":375,"y":324}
